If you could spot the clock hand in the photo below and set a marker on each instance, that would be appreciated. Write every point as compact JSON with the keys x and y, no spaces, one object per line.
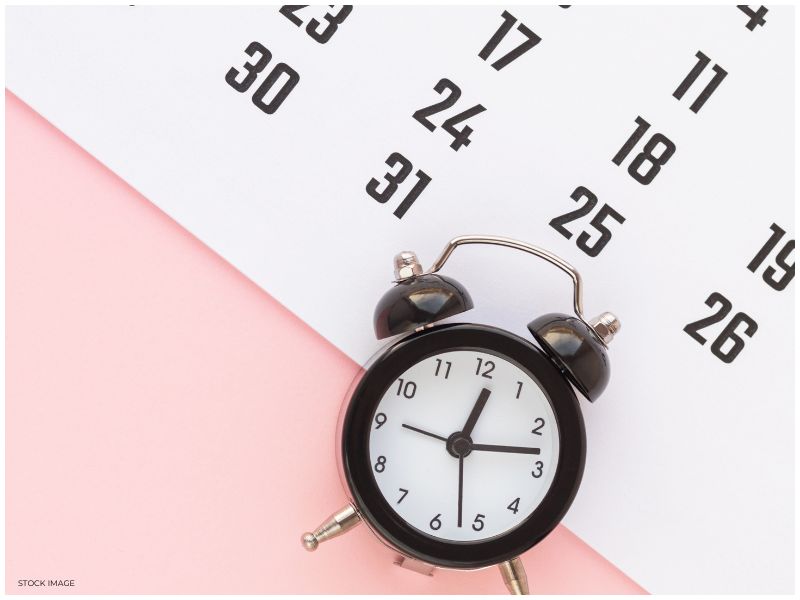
{"x":428,"y":433}
{"x":460,"y":486}
{"x":476,"y":412}
{"x":513,"y":449}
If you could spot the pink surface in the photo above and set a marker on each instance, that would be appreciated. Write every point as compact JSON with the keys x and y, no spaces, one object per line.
{"x":170,"y":426}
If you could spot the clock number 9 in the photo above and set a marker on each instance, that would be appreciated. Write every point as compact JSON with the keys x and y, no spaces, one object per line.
{"x":380,"y":466}
{"x":537,"y":472}
{"x":380,"y":419}
{"x":436,"y":523}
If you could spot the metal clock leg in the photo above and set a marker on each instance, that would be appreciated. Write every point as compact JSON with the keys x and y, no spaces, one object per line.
{"x":514,"y":576}
{"x":335,"y":525}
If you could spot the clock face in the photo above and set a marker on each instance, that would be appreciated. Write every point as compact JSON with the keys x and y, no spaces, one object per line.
{"x":462,"y":420}
{"x":464,"y":445}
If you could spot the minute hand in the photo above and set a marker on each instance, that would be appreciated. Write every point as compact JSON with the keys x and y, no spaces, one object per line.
{"x":512,"y":449}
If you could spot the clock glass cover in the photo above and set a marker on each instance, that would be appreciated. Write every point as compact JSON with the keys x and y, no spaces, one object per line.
{"x":464,"y":445}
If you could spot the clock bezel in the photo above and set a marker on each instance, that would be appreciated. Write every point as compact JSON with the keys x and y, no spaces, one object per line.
{"x":357,"y":468}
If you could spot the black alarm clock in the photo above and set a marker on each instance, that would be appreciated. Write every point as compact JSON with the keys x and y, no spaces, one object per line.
{"x":462,"y":445}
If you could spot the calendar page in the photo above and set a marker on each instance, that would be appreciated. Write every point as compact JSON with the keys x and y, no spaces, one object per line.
{"x":651,"y":147}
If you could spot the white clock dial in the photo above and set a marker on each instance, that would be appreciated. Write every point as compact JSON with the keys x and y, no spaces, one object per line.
{"x":464,"y":445}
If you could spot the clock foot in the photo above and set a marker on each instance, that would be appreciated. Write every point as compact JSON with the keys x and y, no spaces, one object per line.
{"x":514,"y":576}
{"x":335,"y":525}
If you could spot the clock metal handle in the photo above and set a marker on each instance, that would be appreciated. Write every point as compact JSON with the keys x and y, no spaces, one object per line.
{"x":494,"y":240}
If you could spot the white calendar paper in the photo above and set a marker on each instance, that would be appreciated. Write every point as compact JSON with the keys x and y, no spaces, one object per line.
{"x":689,"y":478}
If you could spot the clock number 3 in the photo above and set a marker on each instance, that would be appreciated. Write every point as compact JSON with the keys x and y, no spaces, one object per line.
{"x":313,"y":27}
{"x":394,"y":179}
{"x":538,"y":468}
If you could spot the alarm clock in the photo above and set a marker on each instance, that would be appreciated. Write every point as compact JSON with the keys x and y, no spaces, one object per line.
{"x":462,"y":445}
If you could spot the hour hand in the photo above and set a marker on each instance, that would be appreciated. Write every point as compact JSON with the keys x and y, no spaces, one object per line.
{"x":511,"y":449}
{"x":428,"y":433}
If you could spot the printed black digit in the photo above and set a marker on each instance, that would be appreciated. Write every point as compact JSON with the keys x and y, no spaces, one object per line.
{"x":702,"y":63}
{"x":288,"y":11}
{"x":488,"y":367}
{"x":646,"y":155}
{"x":443,"y":85}
{"x":500,"y":34}
{"x":406,"y":388}
{"x":446,"y":370}
{"x":253,"y":69}
{"x":291,"y":78}
{"x":725,"y":307}
{"x":333,"y":22}
{"x":781,"y":260}
{"x":728,"y":334}
{"x":477,"y":524}
{"x":514,"y":506}
{"x":460,"y":136}
{"x":597,"y":222}
{"x":393,"y":180}
{"x":756,"y":16}
{"x":313,"y":29}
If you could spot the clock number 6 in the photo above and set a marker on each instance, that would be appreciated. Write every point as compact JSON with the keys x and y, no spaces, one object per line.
{"x":596,"y":222}
{"x":436,"y":522}
{"x":254,"y":69}
{"x":393,"y":180}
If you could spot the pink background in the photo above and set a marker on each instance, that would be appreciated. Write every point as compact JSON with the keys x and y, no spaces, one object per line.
{"x":170,"y":426}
